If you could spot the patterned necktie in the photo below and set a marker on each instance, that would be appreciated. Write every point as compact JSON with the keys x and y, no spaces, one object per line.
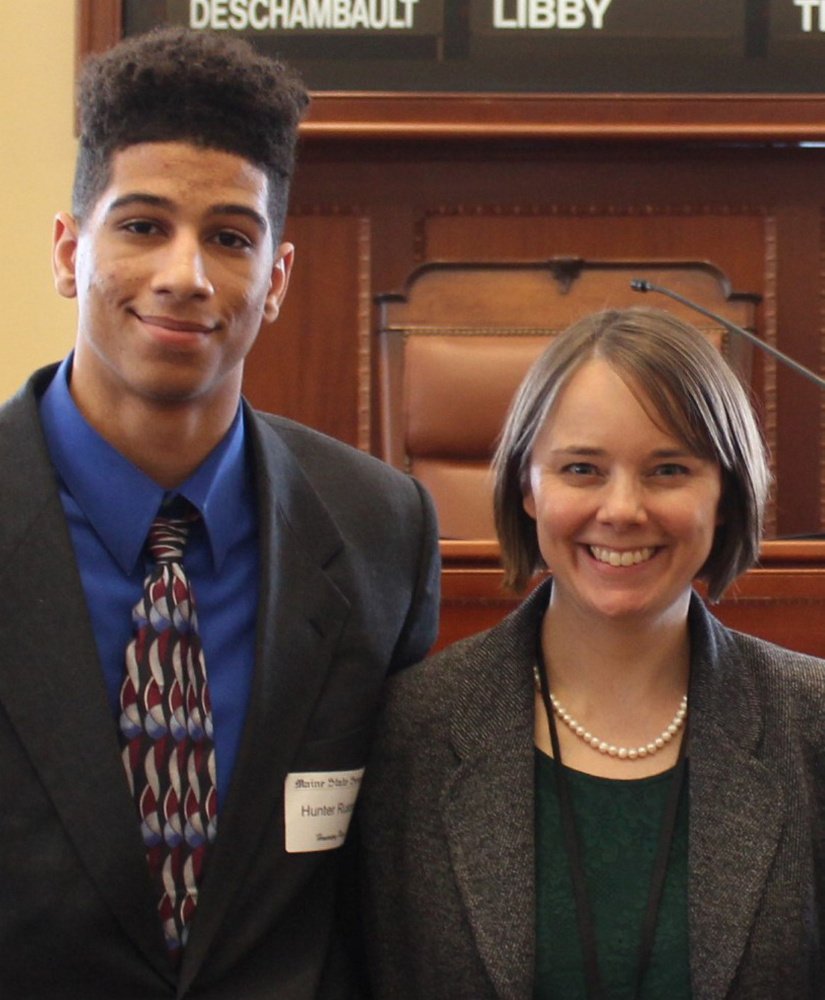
{"x":166,"y":731}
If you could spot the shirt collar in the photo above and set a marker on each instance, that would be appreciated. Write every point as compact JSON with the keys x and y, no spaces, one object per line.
{"x":119,"y":501}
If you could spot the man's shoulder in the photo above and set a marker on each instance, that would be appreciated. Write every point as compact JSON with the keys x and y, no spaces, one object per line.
{"x":302,"y":438}
{"x":29,"y":482}
{"x":24,"y":401}
{"x":319,"y":453}
{"x":21,"y":439}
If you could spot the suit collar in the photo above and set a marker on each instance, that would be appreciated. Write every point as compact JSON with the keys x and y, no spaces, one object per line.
{"x":492,"y":700}
{"x":100,"y":478}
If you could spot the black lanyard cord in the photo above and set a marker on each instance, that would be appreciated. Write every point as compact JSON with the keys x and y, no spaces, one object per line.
{"x":657,"y":879}
{"x":584,"y":915}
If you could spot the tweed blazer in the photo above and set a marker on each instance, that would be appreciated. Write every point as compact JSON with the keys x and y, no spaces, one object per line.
{"x":348,"y":592}
{"x":447,"y":816}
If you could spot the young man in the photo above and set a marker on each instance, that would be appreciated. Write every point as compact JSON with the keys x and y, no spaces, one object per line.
{"x":174,"y":792}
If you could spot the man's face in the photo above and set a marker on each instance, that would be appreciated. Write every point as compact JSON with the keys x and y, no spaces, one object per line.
{"x":174,"y":271}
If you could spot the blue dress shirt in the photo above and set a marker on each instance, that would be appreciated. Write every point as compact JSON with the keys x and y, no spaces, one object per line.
{"x":110,"y":505}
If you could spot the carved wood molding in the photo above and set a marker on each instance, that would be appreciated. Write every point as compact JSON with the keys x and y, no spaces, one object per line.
{"x":363,"y":298}
{"x":590,"y":210}
{"x":613,"y":117}
{"x":364,"y":334}
{"x":822,"y":367}
{"x":770,"y":400}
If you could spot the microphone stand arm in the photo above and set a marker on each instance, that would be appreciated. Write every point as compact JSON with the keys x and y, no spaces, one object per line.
{"x":641,"y":285}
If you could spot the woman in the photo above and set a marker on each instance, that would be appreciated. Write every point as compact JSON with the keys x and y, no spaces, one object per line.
{"x":661,"y":832}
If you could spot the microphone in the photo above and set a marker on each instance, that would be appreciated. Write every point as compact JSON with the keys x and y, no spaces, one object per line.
{"x":642,"y":285}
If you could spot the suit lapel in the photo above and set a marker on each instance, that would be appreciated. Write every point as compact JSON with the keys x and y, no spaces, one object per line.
{"x":737,"y":807}
{"x":493,"y":862}
{"x":51,"y":684}
{"x":488,"y":805}
{"x":300,"y":617}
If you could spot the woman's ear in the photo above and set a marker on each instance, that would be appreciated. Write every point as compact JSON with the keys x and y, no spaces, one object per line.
{"x":528,"y":501}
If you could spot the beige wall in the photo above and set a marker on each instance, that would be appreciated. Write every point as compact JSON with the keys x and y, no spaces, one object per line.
{"x":36,"y":164}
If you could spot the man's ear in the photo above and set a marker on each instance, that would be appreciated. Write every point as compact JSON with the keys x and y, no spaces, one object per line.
{"x":281,"y":270}
{"x":64,"y":254}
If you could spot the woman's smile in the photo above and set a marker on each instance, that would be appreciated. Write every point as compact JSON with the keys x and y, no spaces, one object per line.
{"x":625,"y":557}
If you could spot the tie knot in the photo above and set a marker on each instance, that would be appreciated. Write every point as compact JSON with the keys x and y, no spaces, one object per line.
{"x":169,"y":534}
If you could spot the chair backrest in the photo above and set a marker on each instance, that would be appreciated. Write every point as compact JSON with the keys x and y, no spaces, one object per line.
{"x":454,"y":346}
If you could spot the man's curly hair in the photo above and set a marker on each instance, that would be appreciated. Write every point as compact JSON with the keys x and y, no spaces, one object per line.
{"x":178,"y":85}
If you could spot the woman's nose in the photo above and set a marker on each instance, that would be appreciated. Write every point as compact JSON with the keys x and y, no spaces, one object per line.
{"x":622,"y":501}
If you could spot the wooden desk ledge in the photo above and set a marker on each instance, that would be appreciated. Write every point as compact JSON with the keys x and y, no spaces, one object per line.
{"x":782,"y":599}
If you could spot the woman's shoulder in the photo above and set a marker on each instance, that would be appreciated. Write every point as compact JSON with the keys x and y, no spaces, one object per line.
{"x":482,"y":671}
{"x":437,"y":682}
{"x":728,"y":648}
{"x":418,"y":705}
{"x":796,"y":669}
{"x":790,"y":686}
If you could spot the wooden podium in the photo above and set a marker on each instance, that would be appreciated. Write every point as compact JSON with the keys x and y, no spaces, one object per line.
{"x":782,"y":599}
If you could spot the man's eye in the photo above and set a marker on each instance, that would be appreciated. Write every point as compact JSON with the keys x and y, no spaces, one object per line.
{"x":141,"y":227}
{"x":232,"y":241}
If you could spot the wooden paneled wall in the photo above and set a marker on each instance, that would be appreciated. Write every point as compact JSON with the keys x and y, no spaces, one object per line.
{"x":365,"y":212}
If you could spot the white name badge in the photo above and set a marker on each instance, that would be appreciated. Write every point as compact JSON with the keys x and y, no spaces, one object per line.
{"x":318,"y":807}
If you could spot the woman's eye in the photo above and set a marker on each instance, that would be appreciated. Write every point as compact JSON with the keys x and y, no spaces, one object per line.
{"x":581,"y":469}
{"x":672,"y":469}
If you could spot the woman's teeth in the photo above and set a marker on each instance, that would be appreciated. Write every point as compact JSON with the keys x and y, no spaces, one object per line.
{"x":627,"y":558}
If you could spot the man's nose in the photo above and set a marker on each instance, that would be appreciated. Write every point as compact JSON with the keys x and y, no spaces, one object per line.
{"x":182,"y":269}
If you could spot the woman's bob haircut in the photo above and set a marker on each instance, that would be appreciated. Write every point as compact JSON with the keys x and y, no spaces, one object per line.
{"x":686,"y":386}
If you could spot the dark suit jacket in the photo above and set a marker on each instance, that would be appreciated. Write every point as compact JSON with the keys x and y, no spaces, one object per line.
{"x":447,"y":814}
{"x":349,"y":590}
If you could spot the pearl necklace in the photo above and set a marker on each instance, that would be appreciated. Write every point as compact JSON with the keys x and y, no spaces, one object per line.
{"x":602,"y":746}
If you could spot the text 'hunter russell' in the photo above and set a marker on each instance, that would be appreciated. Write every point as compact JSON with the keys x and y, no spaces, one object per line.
{"x":341,"y":809}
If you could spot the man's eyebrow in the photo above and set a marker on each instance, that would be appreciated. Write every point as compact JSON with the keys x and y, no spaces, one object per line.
{"x":231,"y":209}
{"x":140,"y":198}
{"x":156,"y":201}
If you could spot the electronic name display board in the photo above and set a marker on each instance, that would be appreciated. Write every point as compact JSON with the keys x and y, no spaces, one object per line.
{"x":524,"y":46}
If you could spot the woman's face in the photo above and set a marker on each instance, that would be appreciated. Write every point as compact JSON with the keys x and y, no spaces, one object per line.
{"x":625,"y":512}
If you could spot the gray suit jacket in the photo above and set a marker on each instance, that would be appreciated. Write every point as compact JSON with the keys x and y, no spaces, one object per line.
{"x":447,"y":816}
{"x":349,"y":590}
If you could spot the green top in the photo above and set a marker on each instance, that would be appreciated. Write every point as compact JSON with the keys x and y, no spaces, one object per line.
{"x":618,"y":825}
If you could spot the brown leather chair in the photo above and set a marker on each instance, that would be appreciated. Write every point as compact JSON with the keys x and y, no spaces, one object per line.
{"x":455,"y":344}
